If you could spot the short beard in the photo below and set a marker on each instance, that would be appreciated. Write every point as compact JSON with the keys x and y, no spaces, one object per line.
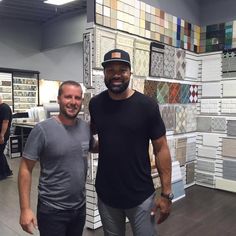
{"x":116,"y":89}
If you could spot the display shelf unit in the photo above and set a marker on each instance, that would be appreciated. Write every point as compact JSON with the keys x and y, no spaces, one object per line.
{"x":20,"y":88}
{"x":6,"y":87}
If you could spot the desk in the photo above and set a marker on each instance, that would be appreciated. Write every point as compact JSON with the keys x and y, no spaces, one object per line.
{"x":25,"y":128}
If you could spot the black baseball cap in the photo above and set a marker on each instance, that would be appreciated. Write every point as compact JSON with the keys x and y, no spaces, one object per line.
{"x":116,"y":55}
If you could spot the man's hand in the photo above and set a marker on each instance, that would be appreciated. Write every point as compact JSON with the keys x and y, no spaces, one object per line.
{"x":28,"y":221}
{"x":165,"y":207}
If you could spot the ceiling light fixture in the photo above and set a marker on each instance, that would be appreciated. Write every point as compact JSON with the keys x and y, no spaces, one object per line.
{"x":58,"y":2}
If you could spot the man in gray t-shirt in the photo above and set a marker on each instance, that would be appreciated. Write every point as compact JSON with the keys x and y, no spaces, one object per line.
{"x":61,"y":145}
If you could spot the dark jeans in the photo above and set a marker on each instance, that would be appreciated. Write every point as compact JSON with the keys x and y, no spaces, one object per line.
{"x":54,"y":222}
{"x":4,"y":167}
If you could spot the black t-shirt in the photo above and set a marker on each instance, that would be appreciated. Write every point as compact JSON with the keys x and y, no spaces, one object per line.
{"x":124,"y":129}
{"x":5,"y":114}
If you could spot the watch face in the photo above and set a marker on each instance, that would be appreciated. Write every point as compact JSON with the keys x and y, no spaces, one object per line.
{"x":171,"y":196}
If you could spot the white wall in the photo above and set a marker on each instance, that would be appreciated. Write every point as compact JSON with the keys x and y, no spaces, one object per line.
{"x":20,"y":48}
{"x":64,"y":31}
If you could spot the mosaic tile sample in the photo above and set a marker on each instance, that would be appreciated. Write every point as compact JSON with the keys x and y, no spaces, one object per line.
{"x":138,"y":84}
{"x":192,"y":66}
{"x":181,"y":144}
{"x":228,"y":106}
{"x":204,"y":151}
{"x":191,"y":149}
{"x":150,"y":88}
{"x":204,"y":124}
{"x":190,"y":169}
{"x":229,"y":147}
{"x":184,"y":93}
{"x":105,"y":41}
{"x":126,"y":43}
{"x":229,"y":88}
{"x":180,"y":119}
{"x":229,"y":170}
{"x":211,"y":90}
{"x":99,"y":85}
{"x":174,"y":92}
{"x":191,"y":120}
{"x":87,"y":60}
{"x":169,"y":62}
{"x":218,"y":124}
{"x":156,"y":60}
{"x":211,"y":68}
{"x":210,"y":105}
{"x":208,"y":166}
{"x":231,"y":127}
{"x":203,"y":178}
{"x":180,"y":64}
{"x":193,"y":96}
{"x":139,"y":18}
{"x":168,"y":116}
{"x":228,"y":61}
{"x":141,"y":58}
{"x":162,"y":92}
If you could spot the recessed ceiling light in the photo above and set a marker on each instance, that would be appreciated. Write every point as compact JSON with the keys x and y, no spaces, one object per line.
{"x":57,"y":2}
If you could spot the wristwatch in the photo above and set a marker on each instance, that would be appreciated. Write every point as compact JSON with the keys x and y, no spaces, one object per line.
{"x":169,"y":196}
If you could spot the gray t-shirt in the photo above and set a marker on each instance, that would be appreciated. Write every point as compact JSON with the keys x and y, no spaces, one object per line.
{"x":62,"y":152}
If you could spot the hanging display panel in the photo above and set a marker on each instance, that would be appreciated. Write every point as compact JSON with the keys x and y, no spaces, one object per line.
{"x":25,"y":91}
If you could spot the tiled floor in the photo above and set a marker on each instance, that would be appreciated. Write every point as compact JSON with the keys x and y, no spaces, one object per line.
{"x":204,"y":211}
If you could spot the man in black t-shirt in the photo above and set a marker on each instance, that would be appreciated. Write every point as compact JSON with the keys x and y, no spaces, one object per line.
{"x":5,"y":124}
{"x":125,"y":121}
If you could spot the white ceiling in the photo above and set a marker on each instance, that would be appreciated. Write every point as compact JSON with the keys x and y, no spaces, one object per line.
{"x":36,"y":10}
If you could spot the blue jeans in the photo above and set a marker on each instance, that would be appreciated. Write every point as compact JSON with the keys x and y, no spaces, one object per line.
{"x":54,"y":222}
{"x":141,"y":221}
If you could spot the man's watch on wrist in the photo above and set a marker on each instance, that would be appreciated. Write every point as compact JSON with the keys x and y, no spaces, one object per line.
{"x":169,"y":196}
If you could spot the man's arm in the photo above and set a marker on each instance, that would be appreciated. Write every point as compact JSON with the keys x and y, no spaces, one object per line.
{"x":3,"y":130}
{"x":163,"y":165}
{"x":27,"y":218}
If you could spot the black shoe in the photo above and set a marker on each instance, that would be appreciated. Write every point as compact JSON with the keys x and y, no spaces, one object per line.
{"x":10,"y":174}
{"x":2,"y":177}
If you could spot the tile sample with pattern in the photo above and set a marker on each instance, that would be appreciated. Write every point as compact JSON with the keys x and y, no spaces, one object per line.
{"x":105,"y":41}
{"x":191,"y":120}
{"x":180,"y":119}
{"x":218,"y":124}
{"x":168,"y":116}
{"x":191,"y":149}
{"x":181,"y":144}
{"x":210,"y":105}
{"x":125,"y":43}
{"x":190,"y":170}
{"x":169,"y":62}
{"x":193,"y":93}
{"x":184,"y":93}
{"x":138,"y":84}
{"x":141,"y":58}
{"x":156,"y":60}
{"x":98,"y":83}
{"x":163,"y":92}
{"x":174,"y":92}
{"x":180,"y":64}
{"x":206,"y":165}
{"x":87,"y":60}
{"x":150,"y":88}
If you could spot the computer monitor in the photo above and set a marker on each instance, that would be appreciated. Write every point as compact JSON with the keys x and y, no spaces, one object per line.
{"x":51,"y":109}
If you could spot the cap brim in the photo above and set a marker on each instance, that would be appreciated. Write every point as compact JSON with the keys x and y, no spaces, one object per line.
{"x":115,"y":60}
